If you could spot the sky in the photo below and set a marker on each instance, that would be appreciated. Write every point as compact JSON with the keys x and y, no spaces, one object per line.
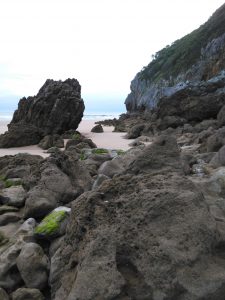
{"x":101,"y":43}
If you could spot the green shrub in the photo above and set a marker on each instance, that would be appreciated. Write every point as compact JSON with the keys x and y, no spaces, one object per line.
{"x":183,"y":53}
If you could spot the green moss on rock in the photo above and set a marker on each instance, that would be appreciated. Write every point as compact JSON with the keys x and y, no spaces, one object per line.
{"x":9,"y":183}
{"x":120,"y":152}
{"x":100,"y":151}
{"x":76,"y":136}
{"x":51,"y":223}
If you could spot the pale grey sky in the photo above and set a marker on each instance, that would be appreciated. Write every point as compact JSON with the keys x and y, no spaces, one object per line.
{"x":102,"y":43}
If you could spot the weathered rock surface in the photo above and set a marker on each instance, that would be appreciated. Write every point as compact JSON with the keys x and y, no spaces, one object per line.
{"x":3,"y":295}
{"x":27,"y":294}
{"x":49,"y":141}
{"x":62,"y":178}
{"x":56,"y":108}
{"x":33,"y":266}
{"x":135,"y":131}
{"x":195,"y":102}
{"x":24,"y":166}
{"x":221,"y":116}
{"x":10,"y":278}
{"x":219,"y":159}
{"x":13,"y":196}
{"x":141,"y":235}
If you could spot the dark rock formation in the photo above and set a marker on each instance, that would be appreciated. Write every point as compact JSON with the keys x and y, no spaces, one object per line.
{"x":195,"y":102}
{"x":97,"y":128}
{"x":186,"y":75}
{"x":56,"y":108}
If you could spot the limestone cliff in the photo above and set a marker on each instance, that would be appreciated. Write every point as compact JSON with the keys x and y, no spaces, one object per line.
{"x":186,"y":64}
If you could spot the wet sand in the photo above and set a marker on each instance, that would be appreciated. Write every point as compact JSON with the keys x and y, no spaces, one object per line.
{"x":107,"y":139}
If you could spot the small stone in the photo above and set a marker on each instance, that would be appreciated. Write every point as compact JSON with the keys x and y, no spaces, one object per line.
{"x":97,"y":129}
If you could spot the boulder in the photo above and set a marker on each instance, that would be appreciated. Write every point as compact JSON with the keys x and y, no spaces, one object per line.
{"x":135,"y":131}
{"x":56,"y":108}
{"x":97,"y":128}
{"x":27,"y":294}
{"x":9,"y":217}
{"x":54,"y":224}
{"x":127,"y":234}
{"x":72,"y":143}
{"x":219,"y":158}
{"x":10,"y":278}
{"x":33,"y":266}
{"x":13,"y":196}
{"x":98,"y":181}
{"x":171,"y":121}
{"x":49,"y":141}
{"x":23,"y":166}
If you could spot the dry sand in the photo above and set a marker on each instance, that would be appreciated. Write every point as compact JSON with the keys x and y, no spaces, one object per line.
{"x":107,"y":139}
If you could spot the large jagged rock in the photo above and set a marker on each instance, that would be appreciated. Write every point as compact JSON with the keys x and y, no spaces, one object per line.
{"x":56,"y":108}
{"x":144,"y":234}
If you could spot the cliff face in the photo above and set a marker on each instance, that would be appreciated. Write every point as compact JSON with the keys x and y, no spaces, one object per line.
{"x":189,"y":62}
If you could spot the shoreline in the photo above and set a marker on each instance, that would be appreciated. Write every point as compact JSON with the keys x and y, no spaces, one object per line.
{"x":106,"y":139}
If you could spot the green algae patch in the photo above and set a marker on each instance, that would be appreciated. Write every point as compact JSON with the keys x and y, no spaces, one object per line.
{"x":9,"y":183}
{"x":120,"y":152}
{"x":76,"y":136}
{"x":50,"y":225}
{"x":99,"y":151}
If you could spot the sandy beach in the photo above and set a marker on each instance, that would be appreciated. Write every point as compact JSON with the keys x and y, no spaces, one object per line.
{"x":107,"y":139}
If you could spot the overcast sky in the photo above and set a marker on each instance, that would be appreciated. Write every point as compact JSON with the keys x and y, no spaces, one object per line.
{"x":102,"y":43}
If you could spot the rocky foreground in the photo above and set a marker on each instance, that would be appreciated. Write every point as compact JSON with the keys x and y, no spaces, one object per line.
{"x":90,"y":223}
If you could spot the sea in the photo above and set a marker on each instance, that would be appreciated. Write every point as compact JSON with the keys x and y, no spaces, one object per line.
{"x":7,"y":115}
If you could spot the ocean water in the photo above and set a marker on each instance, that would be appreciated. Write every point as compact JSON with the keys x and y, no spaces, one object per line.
{"x":7,"y":116}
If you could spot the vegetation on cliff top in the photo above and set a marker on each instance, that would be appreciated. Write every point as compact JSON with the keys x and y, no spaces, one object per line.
{"x":183,"y":53}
